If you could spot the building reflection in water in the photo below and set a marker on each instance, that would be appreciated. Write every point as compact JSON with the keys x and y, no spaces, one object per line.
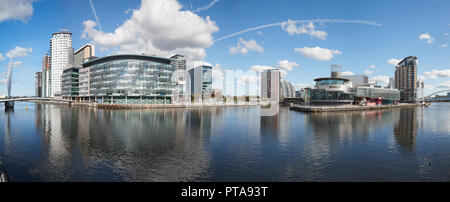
{"x":117,"y":145}
{"x":405,"y":129}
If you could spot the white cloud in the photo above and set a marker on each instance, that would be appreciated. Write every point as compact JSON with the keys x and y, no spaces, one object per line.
{"x":250,"y":78}
{"x":195,"y":63}
{"x":382,"y":79}
{"x":444,"y":45}
{"x":310,"y":29}
{"x":259,"y":68}
{"x":207,"y":6}
{"x":368,"y":72}
{"x":1,"y":57}
{"x":259,"y":32}
{"x":217,"y":72}
{"x":16,"y":10}
{"x":19,"y":52}
{"x":445,"y":84}
{"x":318,"y":53}
{"x":17,"y":63}
{"x":446,"y":34}
{"x":372,"y":66}
{"x":347,"y":73}
{"x":302,"y":85}
{"x":427,"y":37}
{"x":393,"y":61}
{"x":445,"y":73}
{"x":244,"y":46}
{"x":287,"y":65}
{"x":158,"y":27}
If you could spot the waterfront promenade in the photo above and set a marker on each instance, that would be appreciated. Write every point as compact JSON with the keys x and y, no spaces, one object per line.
{"x":151,"y":106}
{"x":304,"y":108}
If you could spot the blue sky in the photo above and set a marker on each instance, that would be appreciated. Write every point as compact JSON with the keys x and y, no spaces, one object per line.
{"x":363,"y":36}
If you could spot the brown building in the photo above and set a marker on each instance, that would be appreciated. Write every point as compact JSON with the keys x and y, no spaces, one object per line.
{"x":83,"y":54}
{"x":45,"y":76}
{"x":38,"y":76}
{"x":406,"y":79}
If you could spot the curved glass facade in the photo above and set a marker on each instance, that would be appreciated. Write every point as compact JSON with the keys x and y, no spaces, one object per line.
{"x":131,"y":80}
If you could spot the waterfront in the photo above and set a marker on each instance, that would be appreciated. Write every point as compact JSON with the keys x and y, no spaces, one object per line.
{"x":61,"y":143}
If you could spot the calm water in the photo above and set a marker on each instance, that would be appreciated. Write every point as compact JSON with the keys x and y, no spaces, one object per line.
{"x":58,"y":143}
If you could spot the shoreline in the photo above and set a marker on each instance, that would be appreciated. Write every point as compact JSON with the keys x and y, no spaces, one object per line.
{"x":144,"y":106}
{"x":318,"y":109}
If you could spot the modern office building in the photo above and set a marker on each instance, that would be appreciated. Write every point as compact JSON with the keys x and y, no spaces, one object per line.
{"x":61,"y":56}
{"x":127,"y":79}
{"x":83,"y":78}
{"x":336,"y":90}
{"x":179,"y":62}
{"x":38,"y":90}
{"x":83,"y":54}
{"x":270,"y":85}
{"x":200,"y":81}
{"x":406,"y":79}
{"x":287,"y":89}
{"x":357,"y":79}
{"x":391,"y":84}
{"x":70,"y":82}
{"x":45,"y":76}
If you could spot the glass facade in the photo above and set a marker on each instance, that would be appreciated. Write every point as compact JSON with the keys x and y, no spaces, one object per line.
{"x":386,"y":94}
{"x":70,"y":82}
{"x":207,"y":80}
{"x":330,"y":82}
{"x":131,"y":79}
{"x":323,"y":95}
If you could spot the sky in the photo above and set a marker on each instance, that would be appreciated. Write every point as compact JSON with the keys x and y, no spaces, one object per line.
{"x":239,"y":37}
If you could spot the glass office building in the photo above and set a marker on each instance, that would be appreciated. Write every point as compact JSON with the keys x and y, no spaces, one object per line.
{"x":130,"y":79}
{"x":70,"y":82}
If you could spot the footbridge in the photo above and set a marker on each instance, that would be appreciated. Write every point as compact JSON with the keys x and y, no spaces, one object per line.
{"x":9,"y":102}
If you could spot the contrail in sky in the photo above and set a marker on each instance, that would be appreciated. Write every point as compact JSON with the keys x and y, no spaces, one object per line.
{"x":298,"y":21}
{"x":95,"y":14}
{"x":206,"y":7}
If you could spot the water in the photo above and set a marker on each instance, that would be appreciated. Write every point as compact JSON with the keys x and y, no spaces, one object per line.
{"x":59,"y":143}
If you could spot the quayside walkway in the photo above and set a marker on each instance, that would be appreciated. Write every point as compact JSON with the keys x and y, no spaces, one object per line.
{"x":304,"y":108}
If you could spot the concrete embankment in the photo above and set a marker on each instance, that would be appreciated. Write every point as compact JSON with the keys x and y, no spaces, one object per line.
{"x":304,"y":108}
{"x":144,"y":106}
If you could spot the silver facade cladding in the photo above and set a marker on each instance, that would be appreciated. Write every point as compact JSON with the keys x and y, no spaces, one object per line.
{"x":123,"y":76}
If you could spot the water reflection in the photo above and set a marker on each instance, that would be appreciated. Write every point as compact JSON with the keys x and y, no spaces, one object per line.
{"x":224,"y":144}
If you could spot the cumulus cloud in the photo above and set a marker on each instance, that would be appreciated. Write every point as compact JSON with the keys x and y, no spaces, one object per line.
{"x":393,"y":61}
{"x":244,"y":46}
{"x":217,"y":72}
{"x":19,"y":52}
{"x":368,"y":72}
{"x":372,"y":66}
{"x":247,"y":78}
{"x":427,"y":37}
{"x":347,"y":73}
{"x":16,"y":10}
{"x":259,"y":32}
{"x":381,"y":79}
{"x":444,"y":45}
{"x":318,"y":53}
{"x":287,"y":65}
{"x":1,"y":57}
{"x":445,"y":73}
{"x":158,"y":27}
{"x":309,"y":28}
